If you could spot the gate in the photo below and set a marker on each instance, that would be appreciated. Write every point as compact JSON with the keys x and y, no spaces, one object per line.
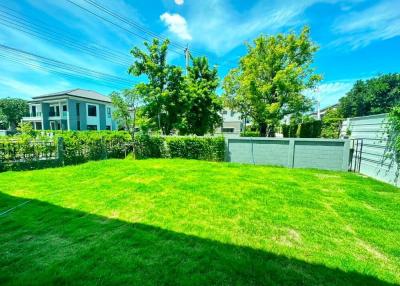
{"x":355,"y":155}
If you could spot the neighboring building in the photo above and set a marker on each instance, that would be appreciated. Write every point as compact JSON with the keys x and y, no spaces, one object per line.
{"x":75,"y":109}
{"x":319,"y":114}
{"x":232,"y":123}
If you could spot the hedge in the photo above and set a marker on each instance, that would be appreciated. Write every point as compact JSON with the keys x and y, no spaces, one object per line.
{"x":310,"y":129}
{"x":30,"y":152}
{"x":250,"y":134}
{"x":190,"y":147}
{"x":83,"y":146}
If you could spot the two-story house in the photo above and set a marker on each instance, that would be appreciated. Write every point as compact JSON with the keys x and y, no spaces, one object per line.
{"x":75,"y":109}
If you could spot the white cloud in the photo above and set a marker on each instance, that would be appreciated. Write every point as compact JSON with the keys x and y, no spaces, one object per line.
{"x":379,"y":22}
{"x":329,"y":93}
{"x":220,"y":27}
{"x":25,"y":90}
{"x":179,"y":2}
{"x":177,"y":25}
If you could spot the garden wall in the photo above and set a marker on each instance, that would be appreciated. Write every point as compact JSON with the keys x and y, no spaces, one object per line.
{"x":330,"y":154}
{"x":377,"y":160}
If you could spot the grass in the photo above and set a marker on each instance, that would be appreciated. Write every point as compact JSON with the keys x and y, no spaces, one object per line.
{"x":191,"y":222}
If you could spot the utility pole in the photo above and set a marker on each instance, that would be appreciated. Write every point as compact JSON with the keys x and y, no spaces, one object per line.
{"x":187,"y":56}
{"x":318,"y":105}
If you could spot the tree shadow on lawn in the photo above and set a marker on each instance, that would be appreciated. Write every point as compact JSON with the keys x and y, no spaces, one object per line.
{"x":45,"y":244}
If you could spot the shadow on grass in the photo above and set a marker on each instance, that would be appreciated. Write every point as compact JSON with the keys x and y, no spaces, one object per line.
{"x":45,"y":244}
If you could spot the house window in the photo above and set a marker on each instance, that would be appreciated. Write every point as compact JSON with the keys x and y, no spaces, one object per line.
{"x":92,"y":110}
{"x":224,"y":112}
{"x":228,"y":130}
{"x":232,"y":113}
{"x":33,"y":111}
{"x":77,"y":110}
{"x":108,"y":112}
{"x":64,"y":108}
{"x":108,"y":127}
{"x":54,"y":110}
{"x":92,"y":127}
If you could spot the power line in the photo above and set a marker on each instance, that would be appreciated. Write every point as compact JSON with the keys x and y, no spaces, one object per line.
{"x":119,"y":26}
{"x":15,"y":22}
{"x":134,"y":24}
{"x":19,"y":55}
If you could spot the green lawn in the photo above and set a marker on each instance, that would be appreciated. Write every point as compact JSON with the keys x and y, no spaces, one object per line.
{"x":192,"y":222}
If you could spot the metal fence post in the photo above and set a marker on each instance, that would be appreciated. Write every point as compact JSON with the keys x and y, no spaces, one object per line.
{"x":291,"y":153}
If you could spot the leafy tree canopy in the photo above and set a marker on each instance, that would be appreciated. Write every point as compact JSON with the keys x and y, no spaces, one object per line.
{"x":188,"y":104}
{"x":164,"y":94}
{"x":204,"y":106}
{"x":270,"y":79}
{"x":12,"y":110}
{"x":373,"y":96}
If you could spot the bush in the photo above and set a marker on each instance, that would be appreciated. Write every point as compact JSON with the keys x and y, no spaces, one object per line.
{"x":29,"y":152}
{"x":331,"y":124}
{"x":191,"y":147}
{"x":250,"y":134}
{"x":82,"y":146}
{"x":149,"y":146}
{"x":309,"y":129}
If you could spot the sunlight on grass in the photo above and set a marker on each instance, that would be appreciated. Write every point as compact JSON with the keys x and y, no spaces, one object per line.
{"x":219,"y":222}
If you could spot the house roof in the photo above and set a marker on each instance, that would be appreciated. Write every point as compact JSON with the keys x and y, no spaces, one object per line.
{"x":83,"y":93}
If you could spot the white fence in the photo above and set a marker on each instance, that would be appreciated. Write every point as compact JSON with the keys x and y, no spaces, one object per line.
{"x":376,"y":159}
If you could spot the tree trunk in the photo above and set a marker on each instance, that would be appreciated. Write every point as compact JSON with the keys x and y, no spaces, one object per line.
{"x":271,"y":131}
{"x":263,"y":129}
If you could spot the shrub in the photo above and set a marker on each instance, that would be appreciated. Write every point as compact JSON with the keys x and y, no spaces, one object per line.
{"x":331,"y":124}
{"x":309,"y":129}
{"x":250,"y":134}
{"x":147,"y":146}
{"x":191,"y":147}
{"x":82,"y":146}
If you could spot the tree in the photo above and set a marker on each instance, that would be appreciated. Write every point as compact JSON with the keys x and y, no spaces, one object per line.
{"x":12,"y":110}
{"x":331,"y":123}
{"x":373,"y":96}
{"x":202,"y":114}
{"x":126,"y":105}
{"x":270,"y":79}
{"x":233,"y":98}
{"x":164,"y":93}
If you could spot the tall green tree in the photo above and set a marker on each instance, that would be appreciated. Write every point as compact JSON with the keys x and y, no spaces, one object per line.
{"x":271,"y":77}
{"x":331,"y":123}
{"x":164,"y":93}
{"x":126,"y":105}
{"x":12,"y":110}
{"x":202,"y":114}
{"x":373,"y":96}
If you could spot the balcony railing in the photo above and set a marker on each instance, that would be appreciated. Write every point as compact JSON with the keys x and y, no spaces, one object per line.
{"x":35,"y":114}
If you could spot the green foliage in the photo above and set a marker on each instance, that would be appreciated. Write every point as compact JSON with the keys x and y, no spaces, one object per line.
{"x":83,"y":146}
{"x":270,"y":79}
{"x":373,"y":96}
{"x":126,"y":105}
{"x":147,"y":146}
{"x":202,"y":148}
{"x":331,"y":123}
{"x":12,"y":110}
{"x":164,"y":93}
{"x":250,"y":133}
{"x":393,"y":132}
{"x":202,"y":114}
{"x":307,"y":129}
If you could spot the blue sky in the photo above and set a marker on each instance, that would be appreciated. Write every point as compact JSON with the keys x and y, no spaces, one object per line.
{"x":358,"y":39}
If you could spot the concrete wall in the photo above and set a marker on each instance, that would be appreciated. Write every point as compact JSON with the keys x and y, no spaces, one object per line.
{"x":328,"y":154}
{"x":376,"y":159}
